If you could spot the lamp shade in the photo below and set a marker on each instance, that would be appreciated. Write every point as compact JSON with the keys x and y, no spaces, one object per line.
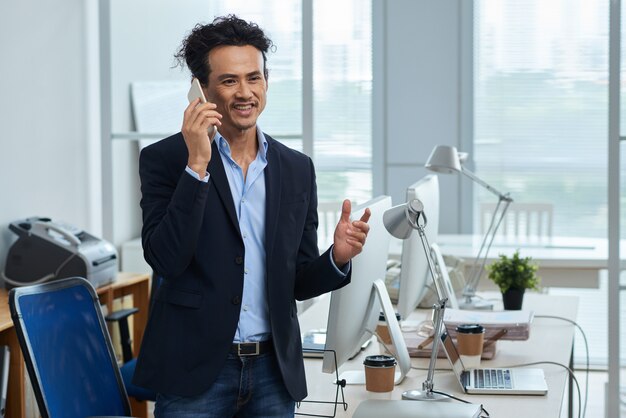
{"x":400,"y":220}
{"x":444,"y":159}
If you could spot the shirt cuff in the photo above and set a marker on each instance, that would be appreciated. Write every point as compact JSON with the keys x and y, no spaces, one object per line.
{"x":341,"y":271}
{"x":195,"y":175}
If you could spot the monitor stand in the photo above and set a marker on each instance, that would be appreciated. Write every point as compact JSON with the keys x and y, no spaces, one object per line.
{"x":355,"y":377}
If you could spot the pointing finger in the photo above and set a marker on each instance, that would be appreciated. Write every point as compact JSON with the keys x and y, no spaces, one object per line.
{"x":346,"y":208}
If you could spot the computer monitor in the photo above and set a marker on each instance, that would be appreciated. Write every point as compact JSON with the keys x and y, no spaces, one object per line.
{"x":414,"y":273}
{"x":354,"y":309}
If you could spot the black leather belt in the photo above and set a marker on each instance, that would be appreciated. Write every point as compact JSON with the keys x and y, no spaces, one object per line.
{"x":252,"y":349}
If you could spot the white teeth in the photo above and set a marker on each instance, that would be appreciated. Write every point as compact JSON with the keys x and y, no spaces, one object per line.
{"x":243,"y":107}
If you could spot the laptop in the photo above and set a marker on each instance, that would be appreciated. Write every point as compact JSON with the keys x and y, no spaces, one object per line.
{"x":494,"y":381}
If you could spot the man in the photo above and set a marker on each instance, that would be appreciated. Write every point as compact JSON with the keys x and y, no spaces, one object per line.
{"x":229,"y":223}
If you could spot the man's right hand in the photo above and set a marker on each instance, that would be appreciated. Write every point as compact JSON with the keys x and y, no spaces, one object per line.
{"x":197,"y":121}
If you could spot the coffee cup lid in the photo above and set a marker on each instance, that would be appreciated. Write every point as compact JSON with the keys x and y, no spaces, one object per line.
{"x":379,"y":361}
{"x":470,"y":329}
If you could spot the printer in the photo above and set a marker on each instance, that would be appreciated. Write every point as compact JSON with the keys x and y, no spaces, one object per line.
{"x":47,"y":250}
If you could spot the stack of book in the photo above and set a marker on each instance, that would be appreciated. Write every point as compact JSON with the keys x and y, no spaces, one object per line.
{"x":513,"y":325}
{"x":499,"y":325}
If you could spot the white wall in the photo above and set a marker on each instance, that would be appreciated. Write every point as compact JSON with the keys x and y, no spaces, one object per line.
{"x":423,"y":96}
{"x":46,"y":118}
{"x":145,"y":54}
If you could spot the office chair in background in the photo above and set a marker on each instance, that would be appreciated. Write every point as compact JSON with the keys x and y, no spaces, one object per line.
{"x":521,"y":220}
{"x":67,"y":350}
{"x":127,"y":369}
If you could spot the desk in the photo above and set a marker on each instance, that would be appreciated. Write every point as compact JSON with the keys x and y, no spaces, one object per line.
{"x":562,"y":261}
{"x":555,"y":334}
{"x":137,"y":285}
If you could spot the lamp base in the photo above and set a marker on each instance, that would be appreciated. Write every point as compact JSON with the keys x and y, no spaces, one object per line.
{"x":422,"y":395}
{"x":476,"y":304}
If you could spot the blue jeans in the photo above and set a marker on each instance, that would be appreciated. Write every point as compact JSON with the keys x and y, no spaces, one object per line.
{"x":246,"y":387}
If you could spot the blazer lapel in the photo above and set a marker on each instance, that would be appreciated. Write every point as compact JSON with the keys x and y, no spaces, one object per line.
{"x":219,"y":179}
{"x":272,"y":195}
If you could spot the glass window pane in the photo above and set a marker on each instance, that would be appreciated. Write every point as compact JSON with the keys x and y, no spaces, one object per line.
{"x":282,"y":22}
{"x":541,"y":107}
{"x":342,"y":89}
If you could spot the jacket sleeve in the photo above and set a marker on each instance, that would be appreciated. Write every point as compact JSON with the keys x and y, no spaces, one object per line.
{"x":172,"y":204}
{"x":315,"y":274}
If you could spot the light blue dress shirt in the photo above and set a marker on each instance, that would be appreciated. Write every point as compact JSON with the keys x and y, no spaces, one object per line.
{"x":249,"y":198}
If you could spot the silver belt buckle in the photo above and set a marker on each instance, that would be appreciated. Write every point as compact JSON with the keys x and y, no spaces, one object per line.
{"x":255,"y":353}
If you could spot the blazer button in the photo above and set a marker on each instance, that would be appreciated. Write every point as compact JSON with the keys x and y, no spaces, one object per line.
{"x":238,"y":260}
{"x":236,"y":300}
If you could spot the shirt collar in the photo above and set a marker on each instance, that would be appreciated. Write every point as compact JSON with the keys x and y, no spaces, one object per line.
{"x":224,"y":146}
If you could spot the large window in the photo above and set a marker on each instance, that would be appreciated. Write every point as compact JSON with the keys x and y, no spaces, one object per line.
{"x":541,"y":107}
{"x":342,"y":93}
{"x":342,"y":86}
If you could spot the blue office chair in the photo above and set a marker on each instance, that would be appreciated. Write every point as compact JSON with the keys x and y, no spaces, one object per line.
{"x":129,"y":362}
{"x":67,"y":350}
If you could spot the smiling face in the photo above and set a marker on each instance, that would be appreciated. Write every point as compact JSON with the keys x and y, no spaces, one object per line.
{"x":237,"y":86}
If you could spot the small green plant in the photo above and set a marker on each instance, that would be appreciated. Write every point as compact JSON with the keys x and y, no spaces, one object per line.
{"x":514,"y":273}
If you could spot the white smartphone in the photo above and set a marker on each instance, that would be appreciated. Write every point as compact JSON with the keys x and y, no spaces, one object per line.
{"x":195,"y":91}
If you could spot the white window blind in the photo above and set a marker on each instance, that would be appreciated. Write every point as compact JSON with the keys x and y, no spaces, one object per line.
{"x":541,"y":107}
{"x":342,"y":91}
{"x":282,"y":23}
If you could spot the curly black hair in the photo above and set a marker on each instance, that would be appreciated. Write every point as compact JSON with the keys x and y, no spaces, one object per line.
{"x":225,"y":30}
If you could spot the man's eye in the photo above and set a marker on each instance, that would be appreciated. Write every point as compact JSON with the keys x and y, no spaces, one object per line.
{"x":255,"y":78}
{"x":229,"y":82}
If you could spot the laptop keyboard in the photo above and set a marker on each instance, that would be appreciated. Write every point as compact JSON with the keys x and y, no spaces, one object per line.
{"x":492,"y":379}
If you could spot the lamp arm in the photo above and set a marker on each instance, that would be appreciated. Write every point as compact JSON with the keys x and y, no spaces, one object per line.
{"x":481,"y":259}
{"x":431,"y":268}
{"x":438,"y":308}
{"x":475,"y":178}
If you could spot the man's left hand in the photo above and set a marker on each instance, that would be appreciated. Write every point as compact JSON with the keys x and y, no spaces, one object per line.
{"x":349,"y":235}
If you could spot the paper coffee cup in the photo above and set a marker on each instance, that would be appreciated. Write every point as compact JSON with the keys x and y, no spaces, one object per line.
{"x":470,"y":338}
{"x":379,"y":373}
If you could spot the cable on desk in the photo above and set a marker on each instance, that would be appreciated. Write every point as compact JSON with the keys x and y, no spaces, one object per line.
{"x":482,"y":408}
{"x":586,"y":353}
{"x":570,"y":371}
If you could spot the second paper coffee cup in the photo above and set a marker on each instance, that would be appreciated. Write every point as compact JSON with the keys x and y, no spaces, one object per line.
{"x":470,"y":338}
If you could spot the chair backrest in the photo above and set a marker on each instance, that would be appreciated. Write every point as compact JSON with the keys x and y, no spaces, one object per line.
{"x":328,"y":214}
{"x":5,"y":359}
{"x":521,"y":219}
{"x":67,"y":350}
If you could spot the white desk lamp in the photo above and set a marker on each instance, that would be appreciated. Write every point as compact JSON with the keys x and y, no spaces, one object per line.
{"x":400,"y":222}
{"x":446,"y":159}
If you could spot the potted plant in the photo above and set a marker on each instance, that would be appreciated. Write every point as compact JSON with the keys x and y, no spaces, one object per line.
{"x":513,"y":276}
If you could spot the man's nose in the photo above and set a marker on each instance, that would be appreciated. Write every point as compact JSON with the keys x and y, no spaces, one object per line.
{"x":244,"y":90}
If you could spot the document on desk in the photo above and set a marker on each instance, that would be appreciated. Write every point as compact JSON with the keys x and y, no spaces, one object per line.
{"x":516,"y":323}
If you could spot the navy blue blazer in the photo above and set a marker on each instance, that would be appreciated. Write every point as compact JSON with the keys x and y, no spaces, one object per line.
{"x":191,"y":238}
